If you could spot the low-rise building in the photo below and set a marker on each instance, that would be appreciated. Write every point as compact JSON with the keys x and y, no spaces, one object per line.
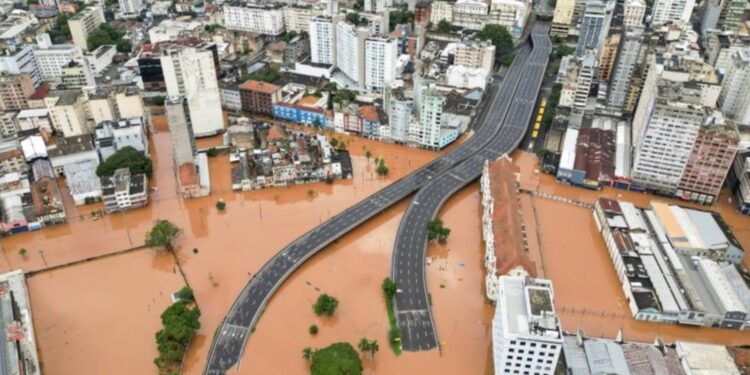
{"x":11,"y":157}
{"x":34,"y":119}
{"x":47,"y":203}
{"x":259,"y":97}
{"x":112,"y":136}
{"x":123,"y":191}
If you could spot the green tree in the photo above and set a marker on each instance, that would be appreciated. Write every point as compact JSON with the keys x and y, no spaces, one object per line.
{"x":368,"y":155}
{"x":389,"y":288}
{"x":436,"y":231}
{"x":507,"y":59}
{"x":325,"y":305}
{"x":186,"y":294}
{"x":221,"y":205}
{"x":289,"y":35}
{"x":334,"y":142}
{"x":22,"y":252}
{"x":498,"y":36}
{"x":368,"y":346}
{"x":399,"y":17}
{"x":444,"y":26}
{"x":212,"y":27}
{"x":126,"y":157}
{"x":382,"y":169}
{"x":180,"y":322}
{"x":313,"y":329}
{"x":561,"y":51}
{"x":269,"y":75}
{"x":316,"y":123}
{"x":307,"y":353}
{"x":162,"y":234}
{"x":353,"y":17}
{"x":338,"y":358}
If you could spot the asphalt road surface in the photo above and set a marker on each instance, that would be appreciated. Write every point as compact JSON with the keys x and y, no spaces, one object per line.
{"x":231,"y":336}
{"x":412,"y":301}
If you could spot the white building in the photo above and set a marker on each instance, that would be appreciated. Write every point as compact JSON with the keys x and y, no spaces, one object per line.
{"x":510,"y":13}
{"x":22,"y":61}
{"x":297,"y":18}
{"x":189,"y":72}
{"x":111,"y":136}
{"x":37,"y":118}
{"x":100,"y":59}
{"x":400,"y":116}
{"x":526,"y":336}
{"x":322,"y":41}
{"x":83,"y":23}
{"x":67,"y":112}
{"x":734,"y":99}
{"x":130,"y":8}
{"x":562,"y":18}
{"x":441,"y":10}
{"x":463,"y":77}
{"x":259,"y":19}
{"x":123,"y":191}
{"x":633,"y":12}
{"x":470,"y":14}
{"x":170,"y":29}
{"x":671,"y":10}
{"x":350,"y":51}
{"x":430,"y":132}
{"x":594,"y":26}
{"x":473,"y":54}
{"x":664,"y":146}
{"x":380,"y":62}
{"x":54,"y":58}
{"x":627,"y":57}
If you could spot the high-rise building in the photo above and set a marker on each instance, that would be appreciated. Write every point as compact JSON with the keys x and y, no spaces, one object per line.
{"x":609,"y":55}
{"x":526,"y":335}
{"x":627,"y":58}
{"x":130,"y":8}
{"x":512,"y":14}
{"x":83,"y":23}
{"x":400,"y":115}
{"x":563,"y":18}
{"x":322,"y":41}
{"x":380,"y":62}
{"x":54,"y":58}
{"x":350,"y":51}
{"x":15,"y":90}
{"x":374,"y":6}
{"x":472,"y":54}
{"x":297,"y":18}
{"x":664,"y":142}
{"x":430,"y":132}
{"x":710,"y":17}
{"x":594,"y":26}
{"x":190,"y":72}
{"x":671,"y":10}
{"x":732,"y":14}
{"x":734,"y":99}
{"x":710,"y":160}
{"x":441,"y":10}
{"x":633,"y":12}
{"x":254,"y":18}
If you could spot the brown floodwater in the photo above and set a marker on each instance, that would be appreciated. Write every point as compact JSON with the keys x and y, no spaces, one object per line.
{"x":587,"y":291}
{"x":101,"y":317}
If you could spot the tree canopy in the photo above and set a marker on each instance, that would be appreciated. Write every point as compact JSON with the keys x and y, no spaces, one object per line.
{"x":106,"y":34}
{"x":126,"y":157}
{"x":162,"y":234}
{"x":444,"y":26}
{"x":436,"y":231}
{"x":289,"y":35}
{"x":269,"y":75}
{"x":180,"y":322}
{"x":336,"y":359}
{"x":325,"y":305}
{"x":398,"y":17}
{"x":498,"y":36}
{"x":389,"y":287}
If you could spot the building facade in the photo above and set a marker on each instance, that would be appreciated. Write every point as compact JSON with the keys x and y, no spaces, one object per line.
{"x":259,"y":97}
{"x":380,"y":62}
{"x":254,"y":18}
{"x":83,"y":23}
{"x":123,"y":191}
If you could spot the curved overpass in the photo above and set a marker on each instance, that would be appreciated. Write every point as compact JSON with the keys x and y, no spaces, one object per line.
{"x":231,"y":336}
{"x":412,"y":302}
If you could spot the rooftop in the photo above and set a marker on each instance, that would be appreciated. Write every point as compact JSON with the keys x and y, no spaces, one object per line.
{"x":259,"y":86}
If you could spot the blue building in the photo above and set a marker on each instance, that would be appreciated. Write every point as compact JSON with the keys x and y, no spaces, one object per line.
{"x":296,"y":114}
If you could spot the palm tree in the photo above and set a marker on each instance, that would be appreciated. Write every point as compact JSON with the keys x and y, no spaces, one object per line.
{"x":364,"y":345}
{"x":307,"y":353}
{"x":374,"y":347}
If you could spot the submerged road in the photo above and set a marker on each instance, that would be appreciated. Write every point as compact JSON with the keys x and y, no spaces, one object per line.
{"x":231,"y":336}
{"x":412,"y":301}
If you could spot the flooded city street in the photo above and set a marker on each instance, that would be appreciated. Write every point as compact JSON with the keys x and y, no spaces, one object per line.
{"x":101,"y":316}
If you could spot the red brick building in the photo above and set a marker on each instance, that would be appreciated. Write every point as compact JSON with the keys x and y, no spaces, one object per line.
{"x":259,"y":97}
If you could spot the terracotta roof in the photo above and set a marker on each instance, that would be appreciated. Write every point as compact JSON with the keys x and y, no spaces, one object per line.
{"x":40,"y":93}
{"x":308,"y":101}
{"x":369,"y":113}
{"x":188,"y":176}
{"x":507,"y":224}
{"x":276,"y":133}
{"x":259,"y":86}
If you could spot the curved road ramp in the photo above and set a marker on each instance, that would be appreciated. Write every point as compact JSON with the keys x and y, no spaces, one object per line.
{"x":412,"y":301}
{"x":231,"y":336}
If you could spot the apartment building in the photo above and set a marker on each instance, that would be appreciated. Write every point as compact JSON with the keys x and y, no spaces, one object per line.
{"x":400,"y":115}
{"x":130,"y":8}
{"x":297,"y":18}
{"x":441,"y":10}
{"x":431,"y":131}
{"x":254,"y":18}
{"x":380,"y":62}
{"x":123,"y":191}
{"x":562,"y":18}
{"x":15,"y":90}
{"x":594,"y":26}
{"x":633,"y":12}
{"x":21,"y":61}
{"x":83,"y":23}
{"x":51,"y":59}
{"x":76,"y":76}
{"x":475,"y":54}
{"x":322,"y":41}
{"x":526,"y":334}
{"x":259,"y":97}
{"x":734,"y":100}
{"x":190,"y":72}
{"x":112,"y":136}
{"x":350,"y":51}
{"x":67,"y":112}
{"x":624,"y":69}
{"x":664,"y":11}
{"x":608,"y":56}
